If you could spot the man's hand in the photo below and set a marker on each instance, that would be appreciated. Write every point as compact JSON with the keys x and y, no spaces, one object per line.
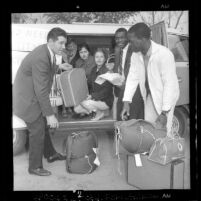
{"x":126,"y":111}
{"x":117,"y":49}
{"x":161,"y":121}
{"x":120,"y":85}
{"x":52,"y":121}
{"x":89,"y":97}
{"x":110,"y":66}
{"x":65,"y":66}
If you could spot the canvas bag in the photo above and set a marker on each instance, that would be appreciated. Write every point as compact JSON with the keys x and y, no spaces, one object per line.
{"x":168,"y":149}
{"x":81,"y":152}
{"x":137,"y":136}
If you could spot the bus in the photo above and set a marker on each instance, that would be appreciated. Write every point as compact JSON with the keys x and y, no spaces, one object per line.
{"x":25,"y":37}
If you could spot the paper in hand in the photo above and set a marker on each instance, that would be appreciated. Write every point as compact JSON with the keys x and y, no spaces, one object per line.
{"x":99,"y":80}
{"x":114,"y":78}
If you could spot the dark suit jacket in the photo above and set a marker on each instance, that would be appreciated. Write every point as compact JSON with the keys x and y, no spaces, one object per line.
{"x":32,"y":85}
{"x":117,"y":90}
{"x":103,"y":92}
{"x":137,"y":105}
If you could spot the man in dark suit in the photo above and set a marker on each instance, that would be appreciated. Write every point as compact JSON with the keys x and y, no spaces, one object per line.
{"x":31,"y":101}
{"x":123,"y":52}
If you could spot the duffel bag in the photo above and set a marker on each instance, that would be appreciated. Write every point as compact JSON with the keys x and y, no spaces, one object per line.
{"x":168,"y":149}
{"x":137,"y":136}
{"x":81,"y":150}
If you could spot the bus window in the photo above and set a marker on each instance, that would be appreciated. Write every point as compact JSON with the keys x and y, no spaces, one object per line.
{"x":179,"y":45}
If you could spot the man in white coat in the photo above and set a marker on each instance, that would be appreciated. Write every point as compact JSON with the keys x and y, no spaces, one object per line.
{"x":153,"y":68}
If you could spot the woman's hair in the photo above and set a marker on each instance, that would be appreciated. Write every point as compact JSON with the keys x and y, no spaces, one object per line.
{"x":103,"y":51}
{"x":84,"y":45}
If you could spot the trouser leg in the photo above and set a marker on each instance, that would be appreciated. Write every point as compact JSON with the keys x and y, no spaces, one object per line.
{"x":80,"y":109}
{"x":36,"y":142}
{"x":119,"y":108}
{"x":49,"y":149}
{"x":150,"y":111}
{"x":137,"y":105}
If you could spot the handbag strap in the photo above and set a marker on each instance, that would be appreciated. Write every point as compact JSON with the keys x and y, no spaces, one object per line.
{"x":69,"y":151}
{"x":56,"y":89}
{"x":91,"y":167}
{"x":117,"y":139}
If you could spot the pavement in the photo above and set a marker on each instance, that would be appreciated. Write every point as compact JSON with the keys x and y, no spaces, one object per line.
{"x":105,"y":177}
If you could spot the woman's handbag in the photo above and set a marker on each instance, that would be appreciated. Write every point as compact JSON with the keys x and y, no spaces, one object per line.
{"x":165,"y":150}
{"x":55,"y":94}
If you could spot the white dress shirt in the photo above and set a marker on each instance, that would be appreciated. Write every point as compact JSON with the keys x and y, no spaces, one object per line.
{"x":51,"y":53}
{"x":162,"y":79}
{"x":57,"y":57}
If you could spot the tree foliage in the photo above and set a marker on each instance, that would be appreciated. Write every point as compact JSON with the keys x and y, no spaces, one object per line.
{"x":89,"y":17}
{"x":171,"y":18}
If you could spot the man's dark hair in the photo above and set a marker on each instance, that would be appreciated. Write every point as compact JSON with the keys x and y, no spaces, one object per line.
{"x":84,"y":45}
{"x":121,"y":30}
{"x":55,"y":33}
{"x":141,"y":30}
{"x":71,"y":40}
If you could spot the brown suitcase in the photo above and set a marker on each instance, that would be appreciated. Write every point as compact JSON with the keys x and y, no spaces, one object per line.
{"x":155,"y":176}
{"x":73,"y":85}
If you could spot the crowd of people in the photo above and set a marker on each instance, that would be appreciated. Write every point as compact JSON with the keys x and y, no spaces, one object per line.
{"x":149,"y":91}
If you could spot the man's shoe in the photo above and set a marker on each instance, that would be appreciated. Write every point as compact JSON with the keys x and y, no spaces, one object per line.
{"x":40,"y":172}
{"x":56,"y":157}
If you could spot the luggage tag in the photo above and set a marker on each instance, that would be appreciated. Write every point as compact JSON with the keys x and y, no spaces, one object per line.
{"x":99,"y":80}
{"x":138,"y":161}
{"x":96,"y":161}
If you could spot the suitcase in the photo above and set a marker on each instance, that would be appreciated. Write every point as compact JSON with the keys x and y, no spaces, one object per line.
{"x":73,"y":85}
{"x":155,"y":176}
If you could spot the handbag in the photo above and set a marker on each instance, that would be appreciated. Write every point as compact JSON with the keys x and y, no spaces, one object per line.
{"x":55,"y":94}
{"x":168,"y":149}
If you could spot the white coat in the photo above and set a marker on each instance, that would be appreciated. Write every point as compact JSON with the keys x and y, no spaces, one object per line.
{"x":163,"y":82}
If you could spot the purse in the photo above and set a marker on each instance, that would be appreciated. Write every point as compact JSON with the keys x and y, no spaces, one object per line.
{"x":55,"y":94}
{"x":168,"y":149}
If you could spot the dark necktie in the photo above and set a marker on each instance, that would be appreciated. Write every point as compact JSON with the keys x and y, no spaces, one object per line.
{"x":120,"y":62}
{"x":55,"y":67}
{"x":54,"y":61}
{"x":146,"y":60}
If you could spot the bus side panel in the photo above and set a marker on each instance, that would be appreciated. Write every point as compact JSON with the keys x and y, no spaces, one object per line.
{"x":183,"y":78}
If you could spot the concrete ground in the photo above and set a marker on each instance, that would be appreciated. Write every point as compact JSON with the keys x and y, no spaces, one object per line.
{"x":105,"y":177}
